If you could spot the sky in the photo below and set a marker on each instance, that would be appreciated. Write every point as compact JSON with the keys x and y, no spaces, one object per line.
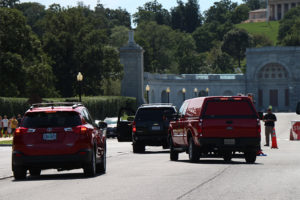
{"x":129,"y":5}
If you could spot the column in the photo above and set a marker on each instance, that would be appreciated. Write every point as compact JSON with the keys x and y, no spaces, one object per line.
{"x":268,"y":13}
{"x":290,"y":6}
{"x":276,"y":12}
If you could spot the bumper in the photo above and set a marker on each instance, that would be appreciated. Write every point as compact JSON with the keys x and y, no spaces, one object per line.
{"x":151,"y":139}
{"x":239,"y":144}
{"x":72,"y":161}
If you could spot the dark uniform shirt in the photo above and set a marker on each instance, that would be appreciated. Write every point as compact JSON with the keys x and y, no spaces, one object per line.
{"x":270,"y":117}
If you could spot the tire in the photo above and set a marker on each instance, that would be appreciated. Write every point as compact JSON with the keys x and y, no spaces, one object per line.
{"x":193,"y":151}
{"x":19,"y":173}
{"x":138,"y":148}
{"x":250,"y":157}
{"x":173,"y":154}
{"x":90,"y":169}
{"x":227,"y":156}
{"x":35,"y":172}
{"x":101,"y":167}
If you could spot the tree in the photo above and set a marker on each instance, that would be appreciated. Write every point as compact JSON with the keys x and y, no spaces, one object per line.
{"x":253,"y":4}
{"x":158,"y":42}
{"x":119,"y":36}
{"x":20,"y":49}
{"x":289,"y":28}
{"x":8,"y":3}
{"x":221,"y":12}
{"x":240,"y":14}
{"x":152,"y":11}
{"x":186,"y":17}
{"x":236,"y":42}
{"x":260,"y":40}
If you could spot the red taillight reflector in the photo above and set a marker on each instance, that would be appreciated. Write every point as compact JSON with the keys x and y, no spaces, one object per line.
{"x":18,"y":131}
{"x":83,"y":129}
{"x":224,"y":99}
{"x":237,"y":99}
{"x":133,"y":127}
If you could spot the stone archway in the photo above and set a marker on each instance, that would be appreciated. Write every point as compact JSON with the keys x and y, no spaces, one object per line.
{"x":164,"y":97}
{"x":273,"y":87}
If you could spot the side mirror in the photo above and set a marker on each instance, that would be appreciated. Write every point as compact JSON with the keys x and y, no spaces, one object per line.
{"x":298,"y":108}
{"x":261,"y":115}
{"x":102,"y":125}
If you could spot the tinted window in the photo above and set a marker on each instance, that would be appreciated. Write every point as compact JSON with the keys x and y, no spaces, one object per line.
{"x":111,"y":120}
{"x":229,"y":108}
{"x":46,"y":120}
{"x":153,"y":114}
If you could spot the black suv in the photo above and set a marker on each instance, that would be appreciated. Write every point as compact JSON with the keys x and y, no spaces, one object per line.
{"x":150,"y":126}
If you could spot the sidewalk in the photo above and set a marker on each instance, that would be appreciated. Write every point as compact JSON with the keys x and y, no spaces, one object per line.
{"x":5,"y":139}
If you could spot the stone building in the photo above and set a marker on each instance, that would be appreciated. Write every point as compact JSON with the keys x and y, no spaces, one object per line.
{"x":257,"y":16}
{"x":273,"y":76}
{"x":277,"y":8}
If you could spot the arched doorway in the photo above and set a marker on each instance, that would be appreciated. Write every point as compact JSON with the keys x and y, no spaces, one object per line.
{"x":273,"y":87}
{"x":152,"y":97}
{"x":164,"y":97}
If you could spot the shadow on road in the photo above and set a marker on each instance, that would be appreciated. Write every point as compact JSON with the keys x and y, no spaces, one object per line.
{"x":155,"y":152}
{"x":219,"y":162}
{"x":63,"y":177}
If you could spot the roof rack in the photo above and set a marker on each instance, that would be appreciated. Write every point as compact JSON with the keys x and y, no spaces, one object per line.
{"x":73,"y":104}
{"x":157,"y":104}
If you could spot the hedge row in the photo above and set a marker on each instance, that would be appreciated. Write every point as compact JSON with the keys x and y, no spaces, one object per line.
{"x":99,"y":107}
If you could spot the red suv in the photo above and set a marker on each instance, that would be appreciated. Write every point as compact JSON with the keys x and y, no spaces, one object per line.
{"x":61,"y":136}
{"x":216,"y":127}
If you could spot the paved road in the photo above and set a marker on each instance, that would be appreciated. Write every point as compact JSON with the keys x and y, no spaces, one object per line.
{"x":153,"y":176}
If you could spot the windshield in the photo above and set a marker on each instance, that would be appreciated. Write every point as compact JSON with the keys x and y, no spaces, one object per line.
{"x":111,"y":120}
{"x":47,"y":120}
{"x":229,"y":108}
{"x":153,"y":114}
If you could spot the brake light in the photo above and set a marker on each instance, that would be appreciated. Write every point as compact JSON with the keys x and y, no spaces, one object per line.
{"x":199,"y":127}
{"x":18,"y":131}
{"x":83,"y":129}
{"x":133,"y":127}
{"x":237,"y":99}
{"x":224,"y":99}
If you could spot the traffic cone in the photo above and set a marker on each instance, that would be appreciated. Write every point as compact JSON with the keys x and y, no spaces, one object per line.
{"x":274,"y":140}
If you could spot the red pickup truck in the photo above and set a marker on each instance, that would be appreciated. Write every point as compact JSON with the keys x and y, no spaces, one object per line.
{"x":216,"y":127}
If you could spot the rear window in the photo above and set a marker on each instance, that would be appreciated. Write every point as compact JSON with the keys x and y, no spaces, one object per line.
{"x":47,"y":120}
{"x":229,"y":109}
{"x":153,"y":114}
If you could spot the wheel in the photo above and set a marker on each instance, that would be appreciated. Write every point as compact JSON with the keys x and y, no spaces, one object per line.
{"x":90,"y":169}
{"x":193,"y":151}
{"x":35,"y":172}
{"x":19,"y":173}
{"x":138,"y":148}
{"x":250,"y":157}
{"x":173,"y":153}
{"x":227,"y":156}
{"x":101,"y":167}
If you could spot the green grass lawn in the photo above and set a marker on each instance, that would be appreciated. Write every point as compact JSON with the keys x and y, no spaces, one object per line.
{"x":270,"y":29}
{"x":6,"y":142}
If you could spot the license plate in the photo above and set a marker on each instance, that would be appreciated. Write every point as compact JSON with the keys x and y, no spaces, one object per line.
{"x":229,"y":141}
{"x":155,"y":128}
{"x":49,"y":136}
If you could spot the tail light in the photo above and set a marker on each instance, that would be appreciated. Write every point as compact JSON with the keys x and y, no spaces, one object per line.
{"x":80,"y":130}
{"x":259,"y":127}
{"x":20,"y":131}
{"x":133,"y":127}
{"x":199,"y":126}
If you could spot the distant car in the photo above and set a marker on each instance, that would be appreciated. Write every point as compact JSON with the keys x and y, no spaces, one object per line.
{"x":216,"y":127}
{"x":150,"y":126}
{"x":60,"y":136}
{"x":111,"y":130}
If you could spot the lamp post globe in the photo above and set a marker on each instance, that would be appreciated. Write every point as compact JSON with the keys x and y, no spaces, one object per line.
{"x":207,"y":91}
{"x":168,"y":90}
{"x":183,"y":92}
{"x":80,"y":79}
{"x":147,"y":90}
{"x":196,"y":92}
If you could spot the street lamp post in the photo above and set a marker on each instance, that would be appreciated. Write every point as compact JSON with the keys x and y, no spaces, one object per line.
{"x":147,"y":90}
{"x":79,"y":79}
{"x":196,"y":92}
{"x":168,"y":94}
{"x":207,"y":91}
{"x":183,"y":92}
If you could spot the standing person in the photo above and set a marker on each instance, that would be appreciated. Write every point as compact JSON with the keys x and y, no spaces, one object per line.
{"x":13,"y":125}
{"x":1,"y":131}
{"x":5,"y":125}
{"x":269,"y":120}
{"x":19,"y":120}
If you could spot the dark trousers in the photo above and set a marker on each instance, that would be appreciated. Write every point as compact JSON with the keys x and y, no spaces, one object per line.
{"x":268,"y":133}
